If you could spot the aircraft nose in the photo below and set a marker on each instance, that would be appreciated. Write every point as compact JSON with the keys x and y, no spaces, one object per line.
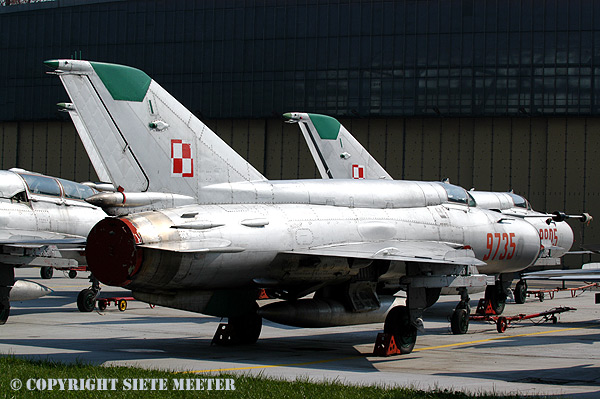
{"x":565,"y":236}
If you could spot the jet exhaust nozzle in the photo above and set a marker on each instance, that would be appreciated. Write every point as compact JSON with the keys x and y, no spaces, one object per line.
{"x":111,"y":251}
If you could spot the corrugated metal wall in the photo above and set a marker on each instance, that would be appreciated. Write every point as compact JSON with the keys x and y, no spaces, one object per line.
{"x":551,"y":161}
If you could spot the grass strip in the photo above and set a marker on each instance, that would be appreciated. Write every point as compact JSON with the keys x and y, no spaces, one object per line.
{"x":36,"y":374}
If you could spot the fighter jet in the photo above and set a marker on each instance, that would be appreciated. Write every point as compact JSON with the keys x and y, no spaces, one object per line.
{"x":43,"y":223}
{"x":205,"y":230}
{"x":338,"y":155}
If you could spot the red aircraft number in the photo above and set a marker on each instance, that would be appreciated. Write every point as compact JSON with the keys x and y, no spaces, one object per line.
{"x":549,"y":234}
{"x":500,"y":246}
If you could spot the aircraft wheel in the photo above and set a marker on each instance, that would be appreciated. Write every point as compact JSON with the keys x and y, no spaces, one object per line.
{"x":497,"y":298}
{"x":86,"y":300}
{"x":501,"y":324}
{"x":554,"y":319}
{"x":246,"y":328}
{"x":520,"y":292}
{"x":72,"y":273}
{"x":459,"y":323}
{"x":102,"y":304}
{"x":4,"y":313}
{"x":46,"y":272}
{"x":122,"y":304}
{"x":398,"y":324}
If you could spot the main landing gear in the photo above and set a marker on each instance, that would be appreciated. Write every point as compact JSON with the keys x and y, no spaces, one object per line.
{"x":402,"y":323}
{"x":240,"y":330}
{"x":7,"y":280}
{"x":4,"y":310}
{"x":399,"y":325}
{"x":496,"y":294}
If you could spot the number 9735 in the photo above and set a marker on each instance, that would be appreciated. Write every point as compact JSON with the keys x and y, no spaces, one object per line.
{"x":500,"y":246}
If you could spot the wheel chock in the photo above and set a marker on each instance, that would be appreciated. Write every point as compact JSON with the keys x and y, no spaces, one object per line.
{"x":223,"y":335}
{"x":385,"y":345}
{"x":484,"y":308}
{"x":262,"y":294}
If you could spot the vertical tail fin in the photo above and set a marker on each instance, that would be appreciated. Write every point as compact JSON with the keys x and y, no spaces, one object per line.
{"x":336,"y":152}
{"x":145,"y":138}
{"x":88,"y":143}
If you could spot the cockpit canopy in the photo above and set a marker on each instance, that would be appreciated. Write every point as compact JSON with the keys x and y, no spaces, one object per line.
{"x":45,"y":185}
{"x":458,"y":195}
{"x":519,"y":201}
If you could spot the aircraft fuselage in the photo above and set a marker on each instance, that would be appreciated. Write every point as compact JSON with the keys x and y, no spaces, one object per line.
{"x":227,"y":246}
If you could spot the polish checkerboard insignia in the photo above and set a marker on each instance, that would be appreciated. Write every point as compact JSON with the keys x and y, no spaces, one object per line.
{"x":358,"y":172}
{"x":182,"y":163}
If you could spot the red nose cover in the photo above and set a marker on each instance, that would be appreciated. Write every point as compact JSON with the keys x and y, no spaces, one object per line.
{"x":111,"y":253}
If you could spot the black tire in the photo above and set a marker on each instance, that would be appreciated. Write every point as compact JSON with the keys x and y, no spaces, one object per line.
{"x":459,"y":322}
{"x":46,"y":272}
{"x":398,"y":324}
{"x":520,"y":292}
{"x":245,"y":329}
{"x":102,"y":305}
{"x":86,"y":300}
{"x":4,"y":313}
{"x":501,"y":324}
{"x":122,"y":305}
{"x":72,"y":273}
{"x":497,"y":298}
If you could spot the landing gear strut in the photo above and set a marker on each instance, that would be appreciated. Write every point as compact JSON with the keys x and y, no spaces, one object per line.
{"x":398,"y":324}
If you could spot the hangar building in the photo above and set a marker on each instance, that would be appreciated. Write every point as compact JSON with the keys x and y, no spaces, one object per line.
{"x":493,"y":94}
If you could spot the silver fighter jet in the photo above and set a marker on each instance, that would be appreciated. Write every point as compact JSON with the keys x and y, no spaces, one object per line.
{"x":204,"y":230}
{"x":43,"y":223}
{"x":338,"y":155}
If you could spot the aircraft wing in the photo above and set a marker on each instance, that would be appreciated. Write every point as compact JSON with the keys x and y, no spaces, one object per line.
{"x":34,"y":239}
{"x":37,"y":251}
{"x":588,"y":272}
{"x":407,"y":251}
